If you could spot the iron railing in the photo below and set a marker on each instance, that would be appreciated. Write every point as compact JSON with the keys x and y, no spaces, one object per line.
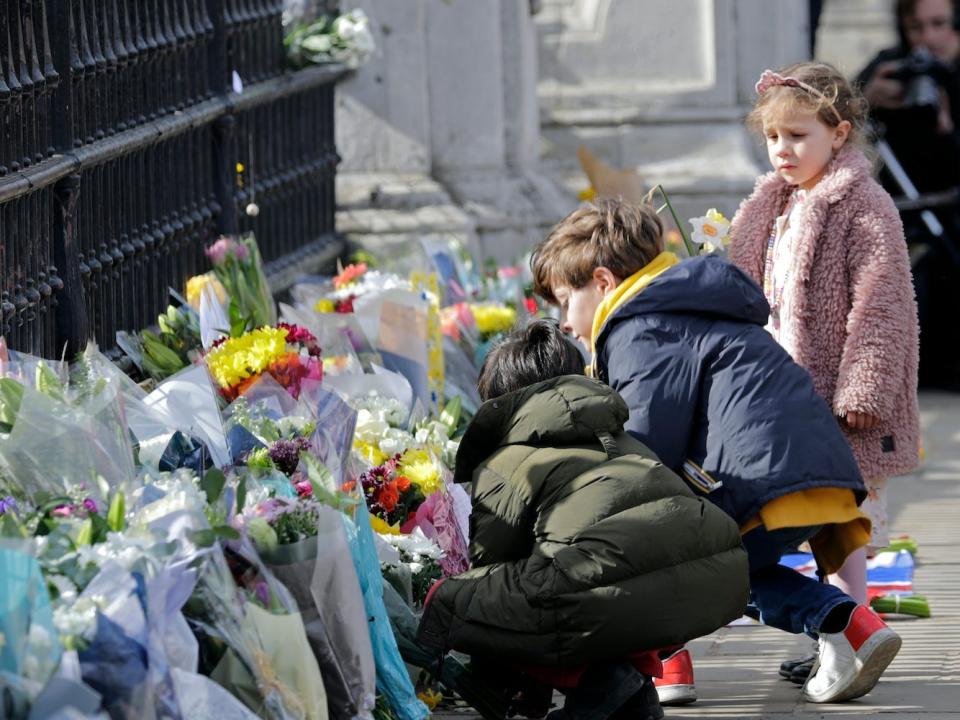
{"x":124,"y":150}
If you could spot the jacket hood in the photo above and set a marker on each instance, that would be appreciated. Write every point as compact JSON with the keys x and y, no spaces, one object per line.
{"x":707,"y":285}
{"x":561,"y":411}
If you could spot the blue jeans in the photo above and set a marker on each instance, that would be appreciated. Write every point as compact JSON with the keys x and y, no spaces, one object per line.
{"x":787,"y":599}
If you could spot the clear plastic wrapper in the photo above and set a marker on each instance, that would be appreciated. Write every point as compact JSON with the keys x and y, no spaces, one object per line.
{"x":217,"y":612}
{"x":189,"y":403}
{"x":55,"y":449}
{"x":321,"y":576}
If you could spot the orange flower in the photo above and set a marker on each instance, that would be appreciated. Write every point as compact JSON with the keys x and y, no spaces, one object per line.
{"x":349,"y":274}
{"x":389,"y":497}
{"x":403,"y":483}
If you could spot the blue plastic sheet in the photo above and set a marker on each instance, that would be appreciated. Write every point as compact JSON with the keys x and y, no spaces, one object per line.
{"x":24,"y":603}
{"x":393,"y":681}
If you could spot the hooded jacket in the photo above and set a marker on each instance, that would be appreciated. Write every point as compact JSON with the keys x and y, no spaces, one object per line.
{"x":856,"y":318}
{"x":706,"y":383}
{"x":584,"y":546}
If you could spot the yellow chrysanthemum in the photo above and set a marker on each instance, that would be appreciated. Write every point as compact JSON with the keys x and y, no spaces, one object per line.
{"x":380,"y":526}
{"x":324,"y":306}
{"x":197,"y":283}
{"x":492,"y":319}
{"x":250,"y":354}
{"x":430,"y":698}
{"x":422,"y":470}
{"x":369,"y":452}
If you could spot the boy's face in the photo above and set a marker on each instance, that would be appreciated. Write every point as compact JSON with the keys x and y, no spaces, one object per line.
{"x":578,"y":306}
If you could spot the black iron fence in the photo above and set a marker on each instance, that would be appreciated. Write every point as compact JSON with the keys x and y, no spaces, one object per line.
{"x":125,"y":149}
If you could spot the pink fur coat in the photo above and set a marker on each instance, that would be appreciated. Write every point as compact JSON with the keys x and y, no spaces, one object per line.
{"x":852,"y":294}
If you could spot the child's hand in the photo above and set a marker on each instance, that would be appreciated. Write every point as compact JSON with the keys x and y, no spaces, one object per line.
{"x":862,"y":421}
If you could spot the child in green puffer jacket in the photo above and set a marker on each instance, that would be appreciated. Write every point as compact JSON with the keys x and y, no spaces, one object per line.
{"x":587,"y":553}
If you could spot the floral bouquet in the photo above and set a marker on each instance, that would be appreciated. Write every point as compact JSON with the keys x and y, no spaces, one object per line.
{"x":289,"y":353}
{"x":239,"y":269}
{"x":58,"y":441}
{"x":390,"y":495}
{"x":346,"y":39}
{"x":305,"y":546}
{"x":164,"y":351}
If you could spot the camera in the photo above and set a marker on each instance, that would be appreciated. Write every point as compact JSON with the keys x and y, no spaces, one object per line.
{"x":922,"y":74}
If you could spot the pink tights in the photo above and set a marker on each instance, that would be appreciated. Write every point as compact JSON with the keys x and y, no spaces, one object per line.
{"x":852,"y":577}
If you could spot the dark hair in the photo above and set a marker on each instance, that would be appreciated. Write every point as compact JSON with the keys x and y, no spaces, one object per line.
{"x":902,"y":9}
{"x":530,"y":354}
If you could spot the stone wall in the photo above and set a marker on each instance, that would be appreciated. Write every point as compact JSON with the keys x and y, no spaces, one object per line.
{"x":662,"y":86}
{"x":467,"y":119}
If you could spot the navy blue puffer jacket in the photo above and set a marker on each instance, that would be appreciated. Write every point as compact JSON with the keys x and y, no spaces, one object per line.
{"x":706,"y":383}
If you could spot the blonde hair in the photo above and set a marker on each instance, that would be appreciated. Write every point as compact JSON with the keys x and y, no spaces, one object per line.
{"x":834,"y":101}
{"x":614,"y":234}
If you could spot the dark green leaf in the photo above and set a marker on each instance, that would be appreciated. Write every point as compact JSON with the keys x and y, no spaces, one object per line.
{"x":212,"y":484}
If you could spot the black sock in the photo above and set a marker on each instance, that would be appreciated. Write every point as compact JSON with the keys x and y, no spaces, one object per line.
{"x":837,"y":619}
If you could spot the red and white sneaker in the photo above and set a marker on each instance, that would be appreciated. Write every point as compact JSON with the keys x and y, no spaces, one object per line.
{"x":851,"y":662}
{"x":676,"y":686}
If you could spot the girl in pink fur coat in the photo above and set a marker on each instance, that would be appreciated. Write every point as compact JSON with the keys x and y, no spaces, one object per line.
{"x":826,"y":243}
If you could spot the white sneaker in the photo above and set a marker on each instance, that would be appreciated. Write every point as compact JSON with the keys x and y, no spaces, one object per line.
{"x":851,"y":662}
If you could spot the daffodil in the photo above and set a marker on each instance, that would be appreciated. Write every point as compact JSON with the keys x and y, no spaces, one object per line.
{"x":711,"y":231}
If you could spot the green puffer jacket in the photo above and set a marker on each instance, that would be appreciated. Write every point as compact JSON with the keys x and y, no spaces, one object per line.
{"x":584,"y":547}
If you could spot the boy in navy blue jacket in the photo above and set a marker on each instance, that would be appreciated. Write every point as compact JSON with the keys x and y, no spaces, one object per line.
{"x":723,"y":405}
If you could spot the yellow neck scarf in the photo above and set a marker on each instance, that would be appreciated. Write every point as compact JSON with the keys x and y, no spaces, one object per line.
{"x":628,"y":289}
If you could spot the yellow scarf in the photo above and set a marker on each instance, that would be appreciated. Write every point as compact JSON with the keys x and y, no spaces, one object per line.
{"x":627,"y":290}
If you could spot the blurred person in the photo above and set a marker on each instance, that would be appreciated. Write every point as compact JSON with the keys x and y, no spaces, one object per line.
{"x":914,"y":94}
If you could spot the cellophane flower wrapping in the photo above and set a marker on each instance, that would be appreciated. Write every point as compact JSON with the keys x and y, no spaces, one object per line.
{"x":56,"y":447}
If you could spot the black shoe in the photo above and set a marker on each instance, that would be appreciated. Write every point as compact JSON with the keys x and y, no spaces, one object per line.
{"x":644,"y":705}
{"x":802,"y":671}
{"x":788,"y":666}
{"x":532,"y":701}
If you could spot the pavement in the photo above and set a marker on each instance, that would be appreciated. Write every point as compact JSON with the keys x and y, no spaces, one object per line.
{"x":736,"y":667}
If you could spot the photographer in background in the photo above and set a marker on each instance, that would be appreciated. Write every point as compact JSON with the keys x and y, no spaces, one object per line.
{"x":914,"y":96}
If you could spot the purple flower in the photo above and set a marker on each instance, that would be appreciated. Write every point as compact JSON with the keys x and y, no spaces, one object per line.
{"x":8,"y":504}
{"x":286,"y":454}
{"x":90,"y":505}
{"x":262,"y":593}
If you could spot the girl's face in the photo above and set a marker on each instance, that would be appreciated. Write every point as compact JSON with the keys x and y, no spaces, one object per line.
{"x":801,"y":145}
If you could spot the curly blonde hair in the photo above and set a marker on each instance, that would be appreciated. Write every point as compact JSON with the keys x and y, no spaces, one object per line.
{"x":836,"y":100}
